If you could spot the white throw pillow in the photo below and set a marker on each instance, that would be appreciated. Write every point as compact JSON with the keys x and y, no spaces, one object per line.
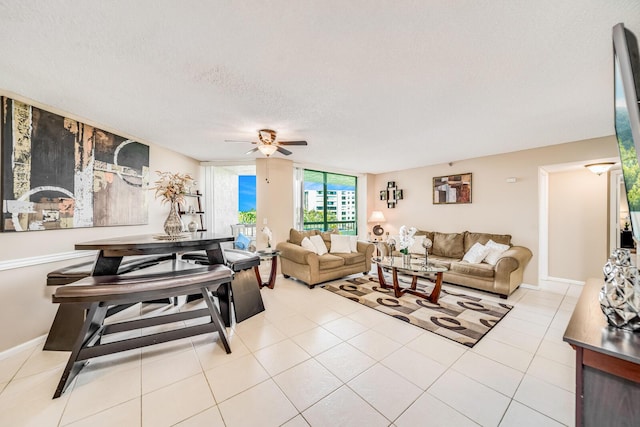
{"x":476,"y":254}
{"x":317,"y":241}
{"x":353,"y":243}
{"x":306,"y":243}
{"x":495,"y":250}
{"x":340,"y":244}
{"x":417,"y":248}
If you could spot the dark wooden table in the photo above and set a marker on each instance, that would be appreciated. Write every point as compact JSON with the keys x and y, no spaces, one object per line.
{"x":110,"y":253}
{"x":272,"y":256}
{"x":607,"y":365}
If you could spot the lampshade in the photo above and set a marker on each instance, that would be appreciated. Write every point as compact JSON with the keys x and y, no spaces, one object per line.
{"x":376,"y":216}
{"x":599,"y":168}
{"x":267,"y":149}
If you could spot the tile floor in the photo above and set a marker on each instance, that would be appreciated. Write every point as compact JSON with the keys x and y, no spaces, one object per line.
{"x":314,"y":358}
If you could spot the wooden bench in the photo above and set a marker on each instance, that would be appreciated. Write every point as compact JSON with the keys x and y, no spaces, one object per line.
{"x":99,"y":292}
{"x":61,"y":336}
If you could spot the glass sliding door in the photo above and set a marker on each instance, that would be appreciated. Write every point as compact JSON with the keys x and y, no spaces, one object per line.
{"x":329,"y":201}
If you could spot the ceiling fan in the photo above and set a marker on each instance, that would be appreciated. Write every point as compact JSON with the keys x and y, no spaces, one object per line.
{"x":268,"y":145}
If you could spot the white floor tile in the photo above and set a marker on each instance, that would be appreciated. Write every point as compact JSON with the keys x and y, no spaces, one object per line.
{"x":344,"y":328}
{"x":518,"y":339}
{"x":428,"y":411}
{"x":316,"y":340}
{"x":209,"y":417}
{"x":546,"y":398}
{"x":343,"y":407}
{"x":294,"y":325}
{"x":490,"y":373}
{"x":504,"y":353}
{"x":298,"y":421}
{"x":41,"y":361}
{"x":236,"y":376}
{"x":307,"y":383}
{"x":561,"y":352}
{"x":127,"y":414}
{"x":478,"y":402}
{"x":10,"y":365}
{"x":519,"y":415}
{"x":438,"y":348}
{"x":212,"y":354}
{"x":374,"y":344}
{"x":280,"y":356}
{"x":176,"y":402}
{"x":155,"y":374}
{"x":263,"y":405}
{"x":385,"y":390}
{"x":553,"y":372}
{"x":397,"y":330}
{"x":345,"y":361}
{"x":414,"y":366}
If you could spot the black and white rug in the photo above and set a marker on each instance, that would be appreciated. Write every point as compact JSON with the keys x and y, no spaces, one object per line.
{"x":459,"y":317}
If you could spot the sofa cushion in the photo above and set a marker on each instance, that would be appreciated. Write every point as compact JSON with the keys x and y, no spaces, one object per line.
{"x":328,"y":261}
{"x":495,"y":250}
{"x":448,"y":244}
{"x":352,"y":258}
{"x":476,"y":254}
{"x":317,"y":241}
{"x":443,"y":261}
{"x":306,"y":243}
{"x":340,"y":244}
{"x":296,"y":236}
{"x":477,"y":270}
{"x":472,"y":238}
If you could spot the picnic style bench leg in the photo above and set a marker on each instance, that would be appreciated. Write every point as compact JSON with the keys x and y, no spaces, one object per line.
{"x":216,"y":319}
{"x":92,"y":324}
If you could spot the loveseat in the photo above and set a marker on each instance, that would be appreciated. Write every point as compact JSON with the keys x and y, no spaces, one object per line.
{"x":312,"y":268}
{"x":502,"y":277}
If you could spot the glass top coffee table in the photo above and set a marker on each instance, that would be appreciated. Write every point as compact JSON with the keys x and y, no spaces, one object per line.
{"x":415,"y":269}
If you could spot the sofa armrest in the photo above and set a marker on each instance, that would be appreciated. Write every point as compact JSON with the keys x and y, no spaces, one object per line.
{"x":297,"y":253}
{"x":366,"y":248}
{"x":509,"y":269}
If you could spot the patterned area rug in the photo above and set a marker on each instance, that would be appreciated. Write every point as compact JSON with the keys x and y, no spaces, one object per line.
{"x":461,"y":318}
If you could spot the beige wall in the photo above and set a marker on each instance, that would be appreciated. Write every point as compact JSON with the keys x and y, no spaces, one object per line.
{"x":497,"y":206}
{"x":27,"y":310}
{"x":578,"y":224}
{"x":274,"y":199}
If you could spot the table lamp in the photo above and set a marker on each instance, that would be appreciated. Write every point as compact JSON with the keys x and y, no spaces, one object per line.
{"x":377,"y":217}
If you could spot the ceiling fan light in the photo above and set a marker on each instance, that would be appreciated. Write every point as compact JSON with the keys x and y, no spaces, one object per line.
{"x":267,"y":149}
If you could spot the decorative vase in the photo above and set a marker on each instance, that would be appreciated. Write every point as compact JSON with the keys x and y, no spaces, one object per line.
{"x":620,"y":295}
{"x":173,"y":224}
{"x":406,"y":259}
{"x":192,"y":227}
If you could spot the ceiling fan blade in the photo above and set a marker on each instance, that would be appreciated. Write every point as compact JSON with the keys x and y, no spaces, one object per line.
{"x":253,"y":150}
{"x":292,"y":142}
{"x":283,"y":151}
{"x":236,"y":140}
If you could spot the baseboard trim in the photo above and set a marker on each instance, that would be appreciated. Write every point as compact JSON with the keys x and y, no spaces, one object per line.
{"x":20,"y":347}
{"x":561,"y":280}
{"x":43,"y":259}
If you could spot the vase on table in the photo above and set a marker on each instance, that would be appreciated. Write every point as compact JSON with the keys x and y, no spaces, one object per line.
{"x":406,"y":259}
{"x":620,"y":295}
{"x":173,"y":224}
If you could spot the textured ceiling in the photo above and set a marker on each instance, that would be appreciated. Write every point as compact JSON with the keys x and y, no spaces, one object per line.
{"x":373,"y":86}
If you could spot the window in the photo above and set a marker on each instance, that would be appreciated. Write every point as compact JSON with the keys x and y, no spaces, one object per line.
{"x":322,"y":193}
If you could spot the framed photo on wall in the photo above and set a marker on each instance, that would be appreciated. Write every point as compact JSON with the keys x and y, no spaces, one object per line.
{"x":452,"y":189}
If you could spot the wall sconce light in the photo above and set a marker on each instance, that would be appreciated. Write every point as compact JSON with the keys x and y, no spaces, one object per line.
{"x":377,"y":217}
{"x":599,"y":168}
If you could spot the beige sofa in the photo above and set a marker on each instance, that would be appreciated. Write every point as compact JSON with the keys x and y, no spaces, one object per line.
{"x":449,"y":248}
{"x":305,"y":265}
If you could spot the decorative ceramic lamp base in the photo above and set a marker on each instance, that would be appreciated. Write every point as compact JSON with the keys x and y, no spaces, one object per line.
{"x":620,"y":295}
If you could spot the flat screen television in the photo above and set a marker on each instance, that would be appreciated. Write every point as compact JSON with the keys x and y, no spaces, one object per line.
{"x":627,"y":116}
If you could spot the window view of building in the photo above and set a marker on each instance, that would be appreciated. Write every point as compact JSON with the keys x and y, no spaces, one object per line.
{"x":329,"y":201}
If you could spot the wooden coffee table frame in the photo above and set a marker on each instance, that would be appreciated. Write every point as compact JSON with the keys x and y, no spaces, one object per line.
{"x":399,"y":290}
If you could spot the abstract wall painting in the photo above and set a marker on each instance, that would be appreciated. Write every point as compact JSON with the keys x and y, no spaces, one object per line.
{"x":452,"y":189}
{"x":61,"y":173}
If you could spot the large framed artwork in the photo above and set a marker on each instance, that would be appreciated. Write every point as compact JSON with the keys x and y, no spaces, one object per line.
{"x":61,"y":173}
{"x":452,"y":189}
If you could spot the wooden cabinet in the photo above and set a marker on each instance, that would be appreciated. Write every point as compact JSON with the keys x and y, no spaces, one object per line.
{"x":607,"y":365}
{"x":191,"y":210}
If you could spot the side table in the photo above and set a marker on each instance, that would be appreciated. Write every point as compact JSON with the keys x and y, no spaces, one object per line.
{"x":268,"y":255}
